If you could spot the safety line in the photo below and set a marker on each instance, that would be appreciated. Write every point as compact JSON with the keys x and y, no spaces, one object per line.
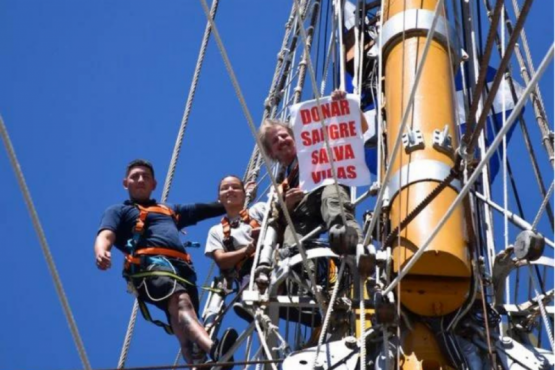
{"x":378,"y":207}
{"x":44,"y":246}
{"x":171,"y":170}
{"x":493,"y":146}
{"x":308,"y":60}
{"x":248,"y":116}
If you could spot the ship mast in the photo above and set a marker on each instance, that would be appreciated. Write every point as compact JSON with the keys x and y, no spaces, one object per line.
{"x":422,"y":113}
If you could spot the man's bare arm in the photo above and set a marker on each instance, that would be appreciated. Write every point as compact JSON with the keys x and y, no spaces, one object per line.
{"x":102,"y":246}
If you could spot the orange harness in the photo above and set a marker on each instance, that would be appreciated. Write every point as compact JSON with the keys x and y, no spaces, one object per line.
{"x":133,"y":257}
{"x":286,"y":184}
{"x":245,"y":218}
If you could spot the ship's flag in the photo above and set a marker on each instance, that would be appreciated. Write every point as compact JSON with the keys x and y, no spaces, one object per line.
{"x":493,"y":124}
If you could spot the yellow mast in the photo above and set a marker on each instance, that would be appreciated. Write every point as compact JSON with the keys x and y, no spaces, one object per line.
{"x":439,"y":282}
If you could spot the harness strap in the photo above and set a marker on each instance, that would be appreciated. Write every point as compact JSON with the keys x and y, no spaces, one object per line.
{"x":153,"y":251}
{"x":286,"y":184}
{"x":245,"y":218}
{"x":146,"y":315}
{"x":134,"y":259}
{"x":144,"y":211}
{"x":144,"y":308}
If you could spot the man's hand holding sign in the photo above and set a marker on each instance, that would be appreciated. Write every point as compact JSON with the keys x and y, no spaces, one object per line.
{"x":341,"y":116}
{"x":305,"y":175}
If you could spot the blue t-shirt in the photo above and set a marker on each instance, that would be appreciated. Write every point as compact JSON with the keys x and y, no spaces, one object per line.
{"x":160,"y":230}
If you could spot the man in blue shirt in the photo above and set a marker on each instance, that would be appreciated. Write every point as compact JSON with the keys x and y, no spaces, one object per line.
{"x":158,"y":268}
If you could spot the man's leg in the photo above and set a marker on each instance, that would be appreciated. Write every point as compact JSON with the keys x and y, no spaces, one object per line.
{"x":331,"y":214}
{"x":183,"y":320}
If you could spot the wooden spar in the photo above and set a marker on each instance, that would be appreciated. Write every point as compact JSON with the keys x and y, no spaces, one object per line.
{"x":439,"y":282}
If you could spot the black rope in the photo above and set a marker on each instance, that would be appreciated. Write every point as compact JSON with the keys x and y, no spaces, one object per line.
{"x":497,"y":127}
{"x":420,"y":207}
{"x":203,"y":366}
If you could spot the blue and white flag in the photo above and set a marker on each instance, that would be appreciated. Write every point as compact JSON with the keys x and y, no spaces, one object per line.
{"x":493,"y":124}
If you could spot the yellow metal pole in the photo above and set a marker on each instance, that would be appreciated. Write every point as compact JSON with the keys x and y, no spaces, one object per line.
{"x":439,"y":282}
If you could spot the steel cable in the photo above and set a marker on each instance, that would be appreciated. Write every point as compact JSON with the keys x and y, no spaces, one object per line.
{"x":250,"y":122}
{"x":171,"y":169}
{"x":44,"y":246}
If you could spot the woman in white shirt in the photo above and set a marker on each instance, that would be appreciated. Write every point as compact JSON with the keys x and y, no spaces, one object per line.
{"x":232,"y":243}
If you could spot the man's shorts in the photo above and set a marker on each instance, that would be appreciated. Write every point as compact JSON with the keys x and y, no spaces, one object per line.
{"x":157,"y":290}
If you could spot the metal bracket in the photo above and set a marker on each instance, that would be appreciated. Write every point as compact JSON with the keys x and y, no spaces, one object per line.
{"x":443,"y":142}
{"x":416,"y":171}
{"x":413,"y":140}
{"x":419,"y":21}
{"x":514,"y":355}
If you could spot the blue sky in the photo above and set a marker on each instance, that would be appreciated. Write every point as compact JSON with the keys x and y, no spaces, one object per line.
{"x":86,"y":86}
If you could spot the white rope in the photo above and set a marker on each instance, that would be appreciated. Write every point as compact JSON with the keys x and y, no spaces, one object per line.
{"x":504,"y":161}
{"x":338,"y":4}
{"x":488,"y":217}
{"x":329,"y":311}
{"x":262,"y":339}
{"x":380,"y":138}
{"x":541,"y":306}
{"x":493,"y":147}
{"x":128,"y":335}
{"x":377,"y":208}
{"x":515,"y":219}
{"x":307,"y":46}
{"x":171,"y":169}
{"x":530,"y":63}
{"x":189,"y":104}
{"x":542,"y":207}
{"x":248,"y":116}
{"x":356,"y":49}
{"x":331,"y":50}
{"x":320,"y":113}
{"x":44,"y":246}
{"x":362,"y":324}
{"x":253,"y":168}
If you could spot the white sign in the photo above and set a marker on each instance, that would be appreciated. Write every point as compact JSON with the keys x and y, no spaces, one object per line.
{"x":342,"y":123}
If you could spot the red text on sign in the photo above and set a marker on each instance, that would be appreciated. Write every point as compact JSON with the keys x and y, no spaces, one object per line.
{"x":335,"y":131}
{"x":332,"y":109}
{"x":340,"y":153}
{"x":348,"y":172}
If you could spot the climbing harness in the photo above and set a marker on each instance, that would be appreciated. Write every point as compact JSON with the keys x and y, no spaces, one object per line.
{"x":141,"y":257}
{"x":244,"y":217}
{"x":291,"y":180}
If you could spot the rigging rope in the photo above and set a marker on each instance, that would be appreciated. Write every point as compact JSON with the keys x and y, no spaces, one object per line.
{"x":202,"y":366}
{"x":329,"y":311}
{"x":481,"y":81}
{"x":542,"y":206}
{"x":307,"y":59}
{"x":255,"y":161}
{"x":171,"y":169}
{"x":541,"y":306}
{"x":248,"y":116}
{"x":275,"y":95}
{"x":524,"y":129}
{"x":44,"y":246}
{"x":493,"y":146}
{"x":537,"y":100}
{"x":404,"y":120}
{"x":471,"y":136}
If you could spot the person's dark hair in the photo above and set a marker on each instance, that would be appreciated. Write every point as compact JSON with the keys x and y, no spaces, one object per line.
{"x":139,"y":163}
{"x":235,"y":177}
